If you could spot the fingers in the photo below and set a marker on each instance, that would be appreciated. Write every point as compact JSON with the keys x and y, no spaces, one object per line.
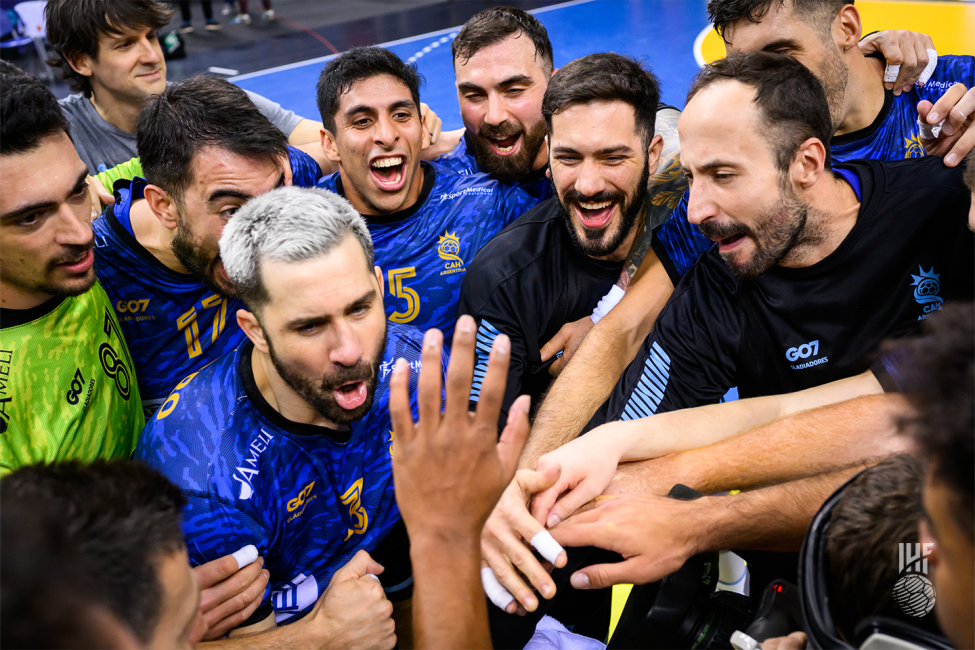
{"x":213,"y":596}
{"x":599,"y":576}
{"x":795,"y":641}
{"x":234,"y":611}
{"x":965,"y":144}
{"x":916,"y":59}
{"x":492,"y":388}
{"x":514,"y":436}
{"x":557,"y":343}
{"x":434,"y":129}
{"x":559,"y":365}
{"x":579,"y":496}
{"x":503,"y":568}
{"x":961,"y":112}
{"x":360,"y":565}
{"x":428,"y":391}
{"x":495,"y":592}
{"x":945,"y":103}
{"x":400,"y":413}
{"x":216,"y":571}
{"x":460,"y":373}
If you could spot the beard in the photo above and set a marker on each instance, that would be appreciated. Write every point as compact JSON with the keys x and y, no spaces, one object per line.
{"x":592,"y":242}
{"x":834,"y":75}
{"x":74,"y":287}
{"x":777,"y":232}
{"x":200,"y":260}
{"x":507,"y":169}
{"x":320,"y":392}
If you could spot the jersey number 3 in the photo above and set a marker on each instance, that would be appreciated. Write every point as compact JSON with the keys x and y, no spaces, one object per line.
{"x":353,"y":499}
{"x":396,"y":277}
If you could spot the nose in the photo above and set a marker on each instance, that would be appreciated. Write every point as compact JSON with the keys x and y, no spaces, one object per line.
{"x":497,"y":111}
{"x":700,"y":206}
{"x":346,"y":348}
{"x":385,"y":132}
{"x":149,"y":51}
{"x":73,"y":230}
{"x":589,"y":179}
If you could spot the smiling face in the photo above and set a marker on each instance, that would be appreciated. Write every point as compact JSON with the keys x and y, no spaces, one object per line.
{"x":600,"y":168}
{"x":738,"y":196}
{"x":221,"y":182}
{"x":129,"y":66}
{"x":377,"y":142}
{"x":326,"y":339}
{"x":782,"y":31}
{"x":500,"y":91}
{"x":45,"y":224}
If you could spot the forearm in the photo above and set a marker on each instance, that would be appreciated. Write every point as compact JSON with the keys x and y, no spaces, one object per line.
{"x":289,"y":636}
{"x":597,"y":365}
{"x":449,"y":609}
{"x":801,"y":445}
{"x":770,"y":519}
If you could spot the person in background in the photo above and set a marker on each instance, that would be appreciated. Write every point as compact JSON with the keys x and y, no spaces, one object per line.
{"x":184,"y":8}
{"x":243,"y":13}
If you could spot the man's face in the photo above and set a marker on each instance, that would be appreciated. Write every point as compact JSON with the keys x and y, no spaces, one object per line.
{"x":221,"y":182}
{"x":377,"y":142}
{"x":952,"y":564}
{"x":783,"y":32}
{"x":738,"y":196}
{"x":500,"y":91}
{"x":180,"y":625}
{"x":600,"y":169}
{"x":326,"y":339}
{"x":45,"y":223}
{"x":129,"y":65}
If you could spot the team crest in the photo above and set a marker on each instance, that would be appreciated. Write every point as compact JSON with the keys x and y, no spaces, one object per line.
{"x":913,"y":147}
{"x":448,"y":248}
{"x":927,"y":286}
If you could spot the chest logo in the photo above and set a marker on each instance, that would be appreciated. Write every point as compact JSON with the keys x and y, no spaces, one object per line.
{"x":804,"y":351}
{"x":448,"y":249}
{"x":927,"y":286}
{"x":913,"y":147}
{"x":301,"y":501}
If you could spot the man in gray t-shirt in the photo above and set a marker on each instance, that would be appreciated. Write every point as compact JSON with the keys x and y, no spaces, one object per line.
{"x":113,"y":57}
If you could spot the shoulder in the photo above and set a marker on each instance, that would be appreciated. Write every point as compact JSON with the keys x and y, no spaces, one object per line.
{"x":328,"y":182}
{"x":524,"y":239}
{"x":72,"y":104}
{"x":927,"y":175}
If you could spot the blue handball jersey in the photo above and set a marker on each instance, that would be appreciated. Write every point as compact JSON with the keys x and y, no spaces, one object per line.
{"x":893,"y":135}
{"x":424,"y":250}
{"x":172,"y":322}
{"x":461,"y":161}
{"x":307,"y":497}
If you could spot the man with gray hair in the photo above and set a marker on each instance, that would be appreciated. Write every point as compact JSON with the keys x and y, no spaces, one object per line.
{"x":284,"y":443}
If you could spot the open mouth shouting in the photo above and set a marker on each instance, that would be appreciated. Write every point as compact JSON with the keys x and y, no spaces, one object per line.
{"x":727,"y":236}
{"x":595,"y":214}
{"x":505,"y":146}
{"x":351,"y":395}
{"x":389,"y":172}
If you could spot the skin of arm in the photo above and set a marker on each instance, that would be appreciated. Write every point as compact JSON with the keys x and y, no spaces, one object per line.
{"x":656,"y":535}
{"x":588,"y":463}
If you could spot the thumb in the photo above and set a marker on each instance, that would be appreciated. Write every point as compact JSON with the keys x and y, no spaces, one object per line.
{"x":556,"y":343}
{"x":360,"y":565}
{"x":535,"y":481}
{"x":923,"y":108}
{"x":599,"y":576}
{"x":579,"y":496}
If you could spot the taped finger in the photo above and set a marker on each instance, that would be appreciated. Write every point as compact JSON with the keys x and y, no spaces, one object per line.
{"x":929,"y":68}
{"x":245,"y":556}
{"x":496,"y":593}
{"x":547,"y":547}
{"x":890,"y":73}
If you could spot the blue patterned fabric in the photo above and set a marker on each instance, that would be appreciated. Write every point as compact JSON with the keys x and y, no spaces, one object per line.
{"x":460,"y":160}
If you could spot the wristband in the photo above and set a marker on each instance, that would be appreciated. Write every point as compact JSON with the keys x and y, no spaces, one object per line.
{"x":606,"y":303}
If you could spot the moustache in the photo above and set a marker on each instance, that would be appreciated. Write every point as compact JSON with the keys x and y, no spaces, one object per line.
{"x":572,"y":195}
{"x":347,"y":374}
{"x":501,"y":131}
{"x":715,"y":231}
{"x":73,"y":253}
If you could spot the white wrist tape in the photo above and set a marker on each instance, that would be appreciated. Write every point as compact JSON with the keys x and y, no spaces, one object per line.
{"x":547,"y":547}
{"x":929,"y":68}
{"x":495,"y":591}
{"x":890,"y":73}
{"x":245,"y":556}
{"x":606,"y":304}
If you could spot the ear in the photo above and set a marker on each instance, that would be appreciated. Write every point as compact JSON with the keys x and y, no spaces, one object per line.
{"x":81,"y":63}
{"x":425,"y":137}
{"x":847,"y":28}
{"x":653,"y":153}
{"x":328,"y":146}
{"x":163,"y":206}
{"x":809,"y":164}
{"x":252,"y":329}
{"x":379,"y":276}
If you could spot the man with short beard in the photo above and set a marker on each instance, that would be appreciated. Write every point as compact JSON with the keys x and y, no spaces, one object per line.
{"x":552,"y":265}
{"x":205,"y":149}
{"x":67,"y":381}
{"x":284,"y":443}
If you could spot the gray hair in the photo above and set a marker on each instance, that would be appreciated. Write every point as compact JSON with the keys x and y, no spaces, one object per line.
{"x":288,"y":224}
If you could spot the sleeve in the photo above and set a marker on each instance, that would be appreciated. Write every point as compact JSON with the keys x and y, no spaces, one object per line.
{"x":493,"y":316}
{"x":305,"y":170}
{"x":124,"y":171}
{"x":280,"y":117}
{"x":689,"y":358}
{"x":214,"y":529}
{"x":678,"y":243}
{"x":515,"y":202}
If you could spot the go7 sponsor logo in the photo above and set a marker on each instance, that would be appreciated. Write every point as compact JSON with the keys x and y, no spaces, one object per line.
{"x":804,"y":351}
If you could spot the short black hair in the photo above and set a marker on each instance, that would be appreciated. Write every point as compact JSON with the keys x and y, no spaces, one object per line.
{"x":605,"y":77}
{"x":28,"y":112}
{"x":790,"y":99}
{"x":726,"y":12}
{"x":496,"y":24}
{"x":939,"y":368}
{"x":357,"y":64}
{"x":970,"y":171}
{"x":120,"y":517}
{"x":75,"y":26}
{"x":200,"y":112}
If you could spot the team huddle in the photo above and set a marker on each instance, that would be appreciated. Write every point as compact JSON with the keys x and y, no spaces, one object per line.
{"x":267,"y":311}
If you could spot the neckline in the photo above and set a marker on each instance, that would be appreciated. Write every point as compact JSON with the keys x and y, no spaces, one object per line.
{"x":17,"y":317}
{"x":429,"y":178}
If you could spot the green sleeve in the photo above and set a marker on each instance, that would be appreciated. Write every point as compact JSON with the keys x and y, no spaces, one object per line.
{"x":127,"y":170}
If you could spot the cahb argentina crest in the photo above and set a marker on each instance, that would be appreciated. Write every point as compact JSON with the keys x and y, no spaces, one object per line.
{"x":448,"y":249}
{"x":927,"y":286}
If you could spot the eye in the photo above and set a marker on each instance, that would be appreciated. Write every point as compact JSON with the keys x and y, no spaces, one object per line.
{"x":79,"y":194}
{"x":722,"y":177}
{"x":402,"y":115}
{"x":615,"y":159}
{"x":567,"y":160}
{"x":28,"y":221}
{"x":361,"y":310}
{"x":515,"y":91}
{"x":361,"y":123}
{"x":473,"y":97}
{"x":226,"y":213}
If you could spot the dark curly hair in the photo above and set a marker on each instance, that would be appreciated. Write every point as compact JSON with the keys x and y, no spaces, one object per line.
{"x":28,"y":111}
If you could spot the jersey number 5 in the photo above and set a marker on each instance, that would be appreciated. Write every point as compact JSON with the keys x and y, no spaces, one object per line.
{"x":396,"y":277}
